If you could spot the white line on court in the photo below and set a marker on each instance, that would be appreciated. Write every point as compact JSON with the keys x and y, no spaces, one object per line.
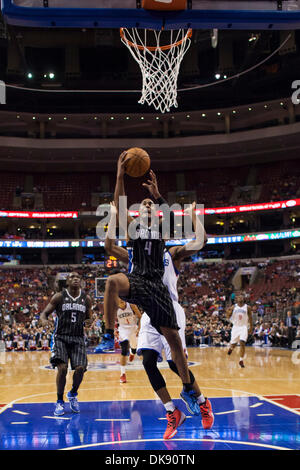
{"x":253,"y":444}
{"x":114,"y":419}
{"x":56,"y":417}
{"x":19,"y":422}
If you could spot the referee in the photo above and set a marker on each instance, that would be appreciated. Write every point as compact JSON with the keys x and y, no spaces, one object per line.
{"x":73,"y":308}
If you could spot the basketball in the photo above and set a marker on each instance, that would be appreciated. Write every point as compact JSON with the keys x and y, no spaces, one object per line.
{"x":138,"y":162}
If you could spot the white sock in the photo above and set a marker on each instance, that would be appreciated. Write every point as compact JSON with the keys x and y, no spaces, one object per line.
{"x":123,"y":370}
{"x":169,"y":406}
{"x":241,"y":358}
{"x":201,"y":399}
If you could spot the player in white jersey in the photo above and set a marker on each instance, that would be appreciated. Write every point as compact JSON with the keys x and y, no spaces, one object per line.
{"x":128,"y":316}
{"x":240,"y":315}
{"x":149,"y":338}
{"x":151,"y":343}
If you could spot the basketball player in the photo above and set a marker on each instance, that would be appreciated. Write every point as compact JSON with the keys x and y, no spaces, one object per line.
{"x":143,"y":286}
{"x":127,"y":315}
{"x":240,"y":315}
{"x":151,"y":343}
{"x":73,"y":309}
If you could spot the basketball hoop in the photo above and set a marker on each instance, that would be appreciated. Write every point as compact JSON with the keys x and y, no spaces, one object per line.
{"x":159,"y":62}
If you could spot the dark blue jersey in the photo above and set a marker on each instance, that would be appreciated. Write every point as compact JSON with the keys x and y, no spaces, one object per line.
{"x":71,"y":314}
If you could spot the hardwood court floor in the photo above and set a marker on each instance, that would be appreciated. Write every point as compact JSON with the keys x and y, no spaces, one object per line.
{"x":262,"y":398}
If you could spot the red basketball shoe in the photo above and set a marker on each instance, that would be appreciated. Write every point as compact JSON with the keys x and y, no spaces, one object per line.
{"x":123,"y":379}
{"x":175,"y":419}
{"x":207,"y":414}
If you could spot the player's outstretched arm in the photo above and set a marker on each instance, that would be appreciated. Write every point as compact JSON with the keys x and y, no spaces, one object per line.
{"x":152,"y":186}
{"x":179,"y":253}
{"x":54,"y":301}
{"x":120,"y":188}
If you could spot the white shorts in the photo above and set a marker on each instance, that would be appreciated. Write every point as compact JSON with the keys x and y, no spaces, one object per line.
{"x":128,"y":333}
{"x":149,"y":338}
{"x":239,"y":333}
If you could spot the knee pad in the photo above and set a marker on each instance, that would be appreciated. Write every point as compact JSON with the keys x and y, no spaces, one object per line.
{"x":124,"y":347}
{"x":150,"y":365}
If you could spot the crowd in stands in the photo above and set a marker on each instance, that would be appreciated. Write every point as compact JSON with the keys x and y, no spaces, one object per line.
{"x":210,"y":186}
{"x":205,"y":292}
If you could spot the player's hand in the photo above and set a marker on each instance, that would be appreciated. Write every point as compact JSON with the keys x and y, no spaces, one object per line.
{"x":152,"y":185}
{"x":43,"y":321}
{"x":189,"y":210}
{"x":122,"y":163}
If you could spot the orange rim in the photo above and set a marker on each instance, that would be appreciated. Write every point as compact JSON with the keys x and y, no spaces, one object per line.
{"x":153,"y":48}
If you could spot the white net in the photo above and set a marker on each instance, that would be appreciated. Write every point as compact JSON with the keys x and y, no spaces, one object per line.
{"x":160,"y":64}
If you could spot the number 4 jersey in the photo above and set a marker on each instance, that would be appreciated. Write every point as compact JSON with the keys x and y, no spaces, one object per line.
{"x":146,"y":254}
{"x":70,"y":315}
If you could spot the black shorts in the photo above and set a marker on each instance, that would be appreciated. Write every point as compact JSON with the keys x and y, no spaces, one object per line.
{"x":65,"y":348}
{"x":154,"y":298}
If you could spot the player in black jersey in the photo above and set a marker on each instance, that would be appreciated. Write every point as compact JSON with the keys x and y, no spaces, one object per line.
{"x":73,"y":311}
{"x":143,"y":286}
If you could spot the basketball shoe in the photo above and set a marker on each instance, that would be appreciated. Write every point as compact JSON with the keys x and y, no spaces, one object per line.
{"x":123,"y":379}
{"x":59,"y":408}
{"x":73,"y":402}
{"x":175,"y":419}
{"x":107,"y":344}
{"x":241,"y":363}
{"x":131,"y":357}
{"x":207,"y":414}
{"x":191,"y":402}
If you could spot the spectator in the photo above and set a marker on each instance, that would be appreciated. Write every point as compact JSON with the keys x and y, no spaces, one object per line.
{"x":291,"y":323}
{"x":273,"y":335}
{"x":282,"y":334}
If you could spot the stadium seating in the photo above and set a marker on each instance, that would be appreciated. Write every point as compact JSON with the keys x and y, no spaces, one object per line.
{"x":213,"y":186}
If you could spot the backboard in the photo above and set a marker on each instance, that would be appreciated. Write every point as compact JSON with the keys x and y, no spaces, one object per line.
{"x":200,"y":14}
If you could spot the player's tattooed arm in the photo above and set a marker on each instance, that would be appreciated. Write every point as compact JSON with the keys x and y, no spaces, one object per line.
{"x":50,"y":307}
